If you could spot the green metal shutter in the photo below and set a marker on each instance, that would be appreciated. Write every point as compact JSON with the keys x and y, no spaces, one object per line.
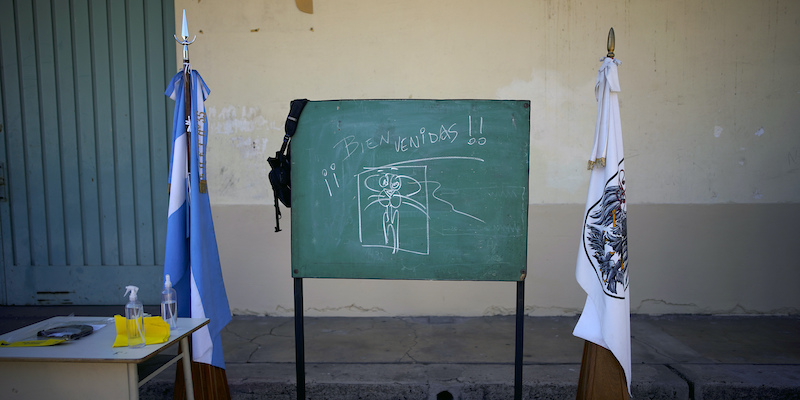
{"x":85,"y":134}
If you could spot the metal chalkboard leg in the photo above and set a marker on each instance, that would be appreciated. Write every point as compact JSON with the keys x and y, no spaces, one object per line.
{"x":299,"y":339}
{"x":520,"y":331}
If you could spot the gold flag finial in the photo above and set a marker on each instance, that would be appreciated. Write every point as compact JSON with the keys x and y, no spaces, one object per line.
{"x":610,"y":43}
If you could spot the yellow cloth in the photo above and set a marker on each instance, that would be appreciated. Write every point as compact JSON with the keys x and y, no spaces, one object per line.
{"x":156,"y":330}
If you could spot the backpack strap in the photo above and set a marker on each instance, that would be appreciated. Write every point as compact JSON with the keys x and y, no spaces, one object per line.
{"x":295,"y":108}
{"x":277,"y":212}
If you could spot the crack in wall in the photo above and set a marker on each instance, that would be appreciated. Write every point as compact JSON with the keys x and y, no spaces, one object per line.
{"x":666,"y":303}
{"x":531,"y":310}
{"x":651,"y":306}
{"x":351,"y":307}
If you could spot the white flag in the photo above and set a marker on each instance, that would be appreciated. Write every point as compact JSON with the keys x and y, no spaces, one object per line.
{"x":602,"y":266}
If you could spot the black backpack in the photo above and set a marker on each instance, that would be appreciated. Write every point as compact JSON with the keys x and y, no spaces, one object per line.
{"x":280,"y":177}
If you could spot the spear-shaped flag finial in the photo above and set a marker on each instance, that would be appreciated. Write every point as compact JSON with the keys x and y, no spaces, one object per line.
{"x":184,"y":27}
{"x":184,"y":40}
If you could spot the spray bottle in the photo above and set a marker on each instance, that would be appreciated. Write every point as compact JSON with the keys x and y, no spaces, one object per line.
{"x":169,"y":304}
{"x":134,"y":318}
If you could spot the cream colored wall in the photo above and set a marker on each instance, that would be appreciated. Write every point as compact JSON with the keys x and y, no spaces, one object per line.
{"x":710,"y":109}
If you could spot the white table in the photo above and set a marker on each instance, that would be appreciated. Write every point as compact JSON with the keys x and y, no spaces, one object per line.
{"x":88,"y":368}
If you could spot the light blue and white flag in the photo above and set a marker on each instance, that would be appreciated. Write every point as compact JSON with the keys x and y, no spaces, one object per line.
{"x":602,"y":266}
{"x":192,"y":259}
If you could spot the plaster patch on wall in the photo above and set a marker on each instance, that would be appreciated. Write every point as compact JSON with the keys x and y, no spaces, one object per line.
{"x":225,"y":180}
{"x":717,"y":131}
{"x":757,"y":194}
{"x":250,"y":147}
{"x":760,"y":132}
{"x":238,"y":173}
{"x":231,"y":120}
{"x":240,"y":135}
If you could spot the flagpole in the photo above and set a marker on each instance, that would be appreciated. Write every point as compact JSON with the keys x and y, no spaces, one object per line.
{"x":209,"y":381}
{"x":187,"y":111}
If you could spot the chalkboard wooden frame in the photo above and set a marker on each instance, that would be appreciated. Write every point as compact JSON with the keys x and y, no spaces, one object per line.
{"x":411,"y":189}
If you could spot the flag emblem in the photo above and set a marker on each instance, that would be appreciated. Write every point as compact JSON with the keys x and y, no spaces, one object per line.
{"x":605,"y":233}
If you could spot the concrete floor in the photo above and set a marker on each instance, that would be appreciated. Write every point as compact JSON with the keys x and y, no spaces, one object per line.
{"x":674,"y":357}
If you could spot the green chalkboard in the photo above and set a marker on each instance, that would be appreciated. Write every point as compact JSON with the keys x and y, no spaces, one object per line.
{"x":411,"y":189}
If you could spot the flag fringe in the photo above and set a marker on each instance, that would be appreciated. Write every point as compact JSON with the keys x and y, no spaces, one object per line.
{"x":601,"y":161}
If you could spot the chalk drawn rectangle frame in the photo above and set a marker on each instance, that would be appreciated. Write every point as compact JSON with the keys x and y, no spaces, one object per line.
{"x":492,"y":183}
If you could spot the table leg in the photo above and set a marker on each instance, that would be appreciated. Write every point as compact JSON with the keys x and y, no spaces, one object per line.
{"x":187,"y":368}
{"x":133,"y":381}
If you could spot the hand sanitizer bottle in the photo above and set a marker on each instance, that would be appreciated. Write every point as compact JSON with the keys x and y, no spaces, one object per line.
{"x":169,"y":304}
{"x":134,"y":318}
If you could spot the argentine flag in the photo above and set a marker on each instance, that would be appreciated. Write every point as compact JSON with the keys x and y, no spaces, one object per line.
{"x":192,"y":259}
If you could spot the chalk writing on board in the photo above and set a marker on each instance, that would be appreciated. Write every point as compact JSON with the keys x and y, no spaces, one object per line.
{"x":472,"y":139}
{"x":405,"y":142}
{"x":385,"y":191}
{"x":333,"y":174}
